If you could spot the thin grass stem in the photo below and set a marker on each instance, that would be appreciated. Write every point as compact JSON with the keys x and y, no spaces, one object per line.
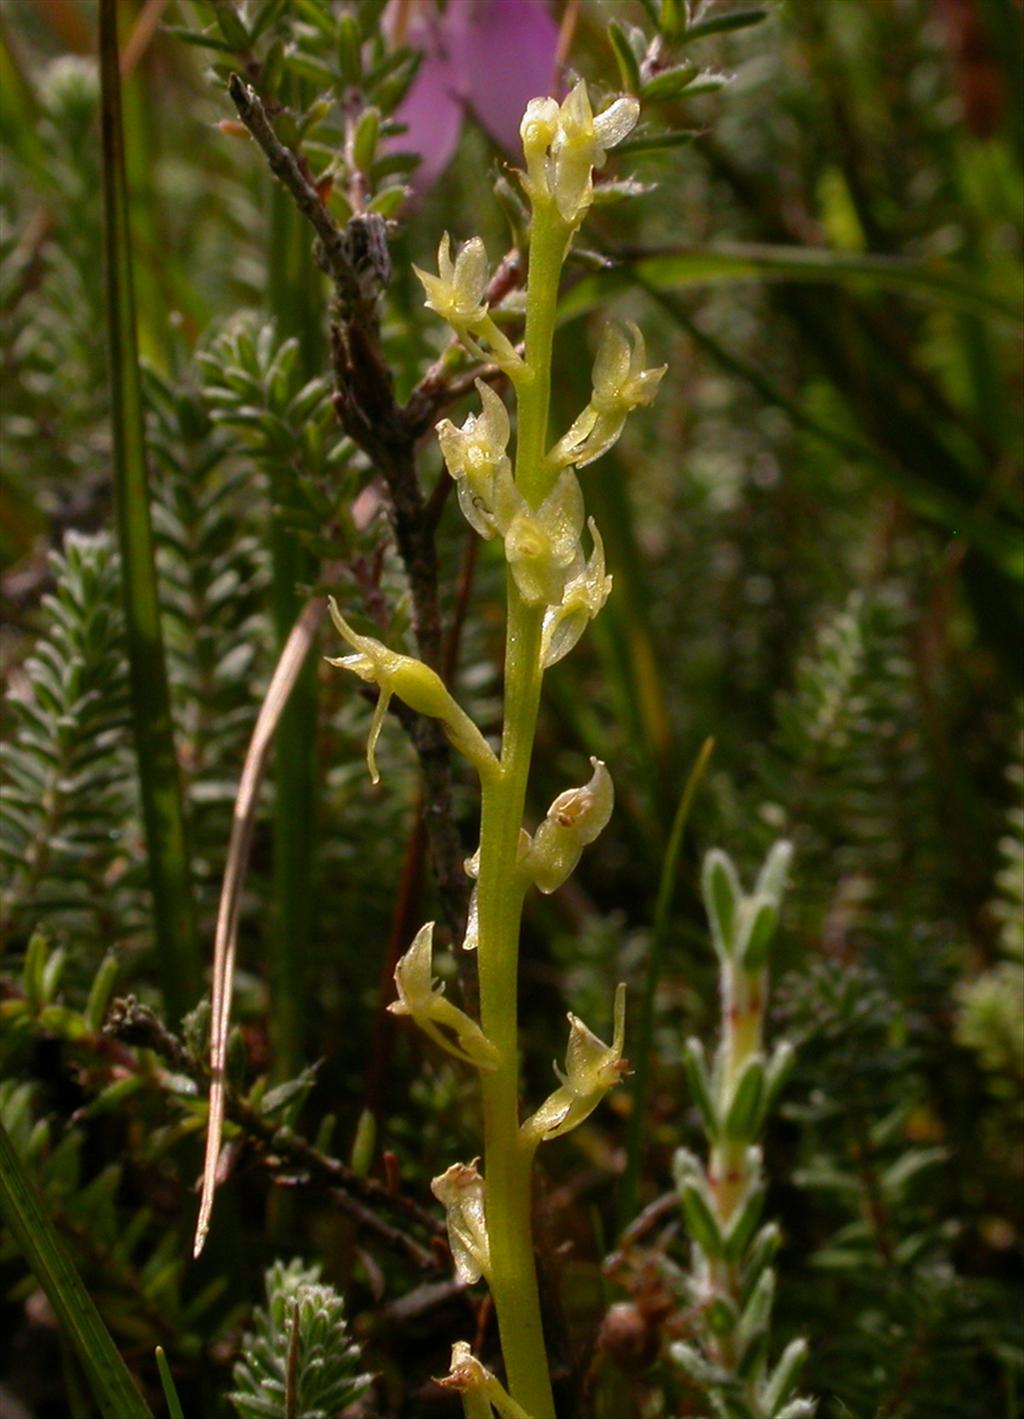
{"x":159,"y":782}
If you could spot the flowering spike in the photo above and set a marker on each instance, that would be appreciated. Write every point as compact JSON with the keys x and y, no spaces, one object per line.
{"x":421,"y":688}
{"x":592,"y":1068}
{"x":461,"y":1192}
{"x":583,"y":598}
{"x":575,"y":818}
{"x":419,"y":997}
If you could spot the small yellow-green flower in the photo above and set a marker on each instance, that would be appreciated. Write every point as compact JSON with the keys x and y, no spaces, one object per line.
{"x":575,"y":818}
{"x":460,"y":1190}
{"x":476,"y":457}
{"x":591,"y":1069}
{"x":457,"y":292}
{"x":542,"y":544}
{"x":421,"y":998}
{"x":421,"y":688}
{"x":621,"y":384}
{"x":582,"y":599}
{"x":564,"y":144}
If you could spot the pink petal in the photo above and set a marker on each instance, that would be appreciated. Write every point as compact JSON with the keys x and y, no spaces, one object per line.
{"x":508,"y":56}
{"x":433,"y":109}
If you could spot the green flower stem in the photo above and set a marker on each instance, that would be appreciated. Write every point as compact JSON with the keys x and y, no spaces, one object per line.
{"x":549,"y":242}
{"x":512,"y":1278}
{"x":508,"y":1161}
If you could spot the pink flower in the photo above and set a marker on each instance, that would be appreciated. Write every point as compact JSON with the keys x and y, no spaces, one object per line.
{"x":484,"y":57}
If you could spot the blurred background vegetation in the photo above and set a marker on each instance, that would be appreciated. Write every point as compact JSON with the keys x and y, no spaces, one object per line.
{"x":817,"y":539}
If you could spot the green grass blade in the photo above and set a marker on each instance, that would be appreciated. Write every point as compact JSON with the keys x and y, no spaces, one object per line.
{"x":19,"y":110}
{"x":297,"y":304}
{"x":37,"y":1240}
{"x":169,"y":869}
{"x":641,"y":1050}
{"x":174,"y":1408}
{"x":701,"y":265}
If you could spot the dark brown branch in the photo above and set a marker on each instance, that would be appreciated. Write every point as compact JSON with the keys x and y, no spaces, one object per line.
{"x":283,"y":1149}
{"x":357,"y":260}
{"x":334,"y":246}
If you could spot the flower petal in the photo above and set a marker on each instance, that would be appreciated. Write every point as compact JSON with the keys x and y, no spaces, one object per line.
{"x":509,"y":55}
{"x":616,"y":121}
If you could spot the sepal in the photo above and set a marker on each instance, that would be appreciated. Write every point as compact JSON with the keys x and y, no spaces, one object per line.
{"x":582,"y":599}
{"x":457,"y":292}
{"x":425,"y":1002}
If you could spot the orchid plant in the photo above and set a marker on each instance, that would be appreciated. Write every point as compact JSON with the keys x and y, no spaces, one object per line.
{"x":533,"y":503}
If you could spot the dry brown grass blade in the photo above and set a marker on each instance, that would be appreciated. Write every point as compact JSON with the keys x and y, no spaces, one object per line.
{"x":282,"y":682}
{"x":138,"y":41}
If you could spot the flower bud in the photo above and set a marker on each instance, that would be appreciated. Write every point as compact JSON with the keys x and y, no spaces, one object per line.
{"x":543,"y":544}
{"x":461,"y":1192}
{"x":421,"y":688}
{"x":574,"y":819}
{"x":537,"y":130}
{"x":591,"y":1069}
{"x":419,"y":997}
{"x":582,"y":599}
